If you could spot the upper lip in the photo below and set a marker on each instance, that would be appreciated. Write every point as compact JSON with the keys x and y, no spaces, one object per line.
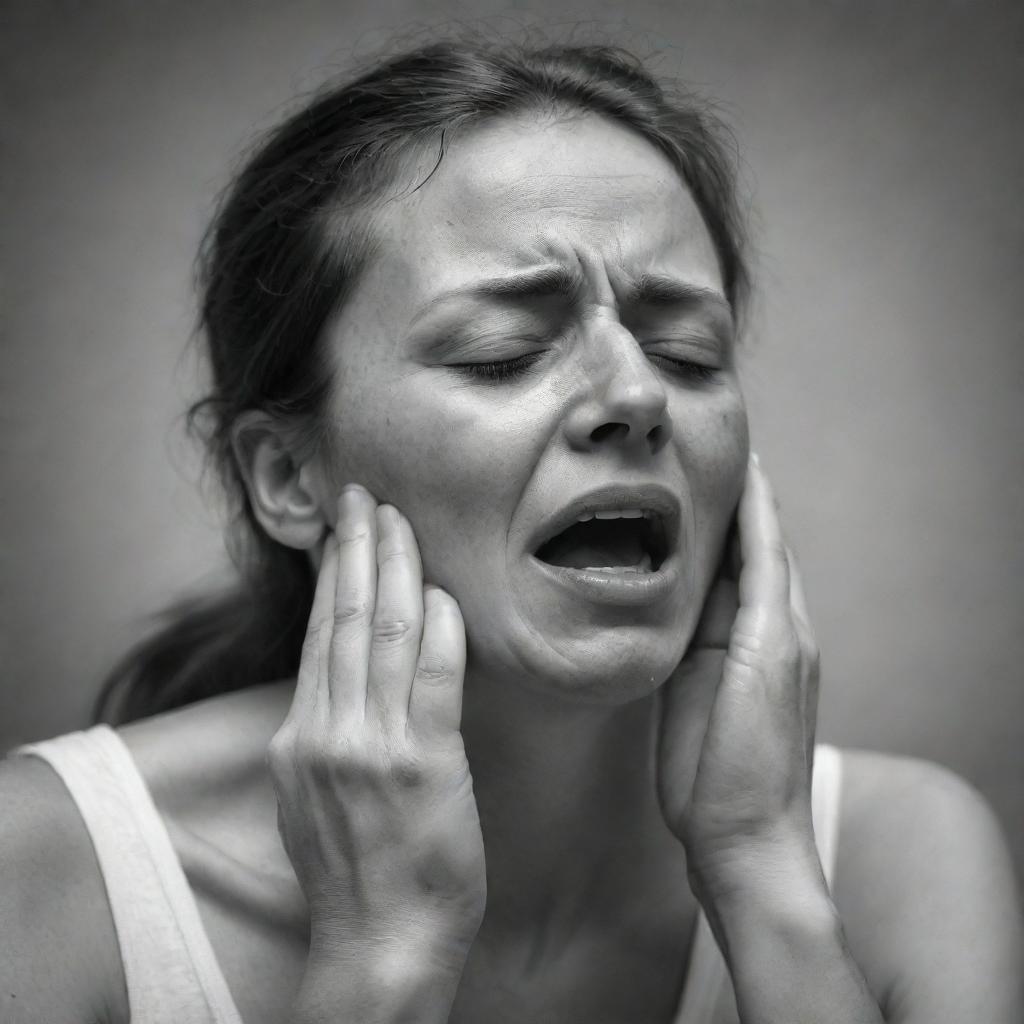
{"x":652,"y":498}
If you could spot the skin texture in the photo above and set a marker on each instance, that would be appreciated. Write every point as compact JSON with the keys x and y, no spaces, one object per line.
{"x":476,"y":465}
{"x":552,"y":683}
{"x":540,"y":861}
{"x":617,"y":389}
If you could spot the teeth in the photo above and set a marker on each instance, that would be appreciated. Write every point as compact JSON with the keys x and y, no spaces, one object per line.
{"x":644,"y":565}
{"x":619,"y":513}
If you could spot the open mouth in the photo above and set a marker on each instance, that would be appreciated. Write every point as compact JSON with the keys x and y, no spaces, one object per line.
{"x":621,"y":541}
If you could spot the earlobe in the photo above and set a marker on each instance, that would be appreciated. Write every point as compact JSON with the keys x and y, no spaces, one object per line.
{"x":283,"y":491}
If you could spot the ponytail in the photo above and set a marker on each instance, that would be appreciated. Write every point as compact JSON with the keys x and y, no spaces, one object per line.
{"x":216,"y":643}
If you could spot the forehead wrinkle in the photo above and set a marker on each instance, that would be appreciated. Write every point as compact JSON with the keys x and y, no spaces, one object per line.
{"x":550,"y":231}
{"x":587,"y":197}
{"x":619,"y":187}
{"x":493,"y":212}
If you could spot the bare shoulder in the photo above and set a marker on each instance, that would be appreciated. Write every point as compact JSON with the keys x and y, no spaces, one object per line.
{"x":926,"y":889}
{"x":59,"y":958}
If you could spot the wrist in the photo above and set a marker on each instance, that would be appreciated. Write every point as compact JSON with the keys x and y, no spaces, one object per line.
{"x":776,"y":879}
{"x":403,"y":978}
{"x":798,"y":918}
{"x":411,"y":943}
{"x":783,"y":941}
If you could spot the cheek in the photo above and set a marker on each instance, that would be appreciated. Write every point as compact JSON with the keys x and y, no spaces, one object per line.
{"x":455,"y":466}
{"x":725,"y":449}
{"x":714,"y":449}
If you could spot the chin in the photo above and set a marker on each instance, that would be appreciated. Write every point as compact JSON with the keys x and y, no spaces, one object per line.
{"x":613,"y":667}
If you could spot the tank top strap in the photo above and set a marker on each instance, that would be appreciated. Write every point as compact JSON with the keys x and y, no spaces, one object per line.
{"x":707,"y":996}
{"x":171,"y":972}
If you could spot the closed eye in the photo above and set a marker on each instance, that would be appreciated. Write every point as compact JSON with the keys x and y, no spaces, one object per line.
{"x":499,"y":369}
{"x":699,"y":373}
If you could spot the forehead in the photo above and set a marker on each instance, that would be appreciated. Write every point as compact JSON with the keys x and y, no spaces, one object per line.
{"x":519,"y":194}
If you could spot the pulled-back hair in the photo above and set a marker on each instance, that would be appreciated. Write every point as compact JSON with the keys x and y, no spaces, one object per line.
{"x":286,"y":249}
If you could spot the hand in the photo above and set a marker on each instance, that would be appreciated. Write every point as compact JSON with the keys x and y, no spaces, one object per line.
{"x":375,"y":798}
{"x":738,"y":715}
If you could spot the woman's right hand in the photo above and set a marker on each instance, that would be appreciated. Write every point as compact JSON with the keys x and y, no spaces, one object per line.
{"x":375,"y":798}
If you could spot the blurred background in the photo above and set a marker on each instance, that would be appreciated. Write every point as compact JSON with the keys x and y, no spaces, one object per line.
{"x":883,"y":163}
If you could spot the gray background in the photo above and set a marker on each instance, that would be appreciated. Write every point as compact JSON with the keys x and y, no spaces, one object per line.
{"x":885,"y":366}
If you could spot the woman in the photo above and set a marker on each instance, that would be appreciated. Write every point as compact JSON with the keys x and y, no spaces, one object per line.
{"x":539,"y":745}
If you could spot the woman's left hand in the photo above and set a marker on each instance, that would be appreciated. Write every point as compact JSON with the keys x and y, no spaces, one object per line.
{"x":738,"y":716}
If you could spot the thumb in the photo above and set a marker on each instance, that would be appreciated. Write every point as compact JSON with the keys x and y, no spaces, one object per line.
{"x":718,"y":616}
{"x":685,"y":707}
{"x":687,"y":697}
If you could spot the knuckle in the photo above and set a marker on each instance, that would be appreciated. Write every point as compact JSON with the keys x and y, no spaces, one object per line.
{"x":390,"y":548}
{"x":280,"y":754}
{"x":327,"y":757}
{"x":284,"y":757}
{"x":407,"y":771}
{"x":747,"y":667}
{"x":354,"y":611}
{"x":433,"y":669}
{"x":748,"y":641}
{"x":764,"y":645}
{"x":316,"y":759}
{"x":391,"y":631}
{"x":786,"y":647}
{"x":351,"y":533}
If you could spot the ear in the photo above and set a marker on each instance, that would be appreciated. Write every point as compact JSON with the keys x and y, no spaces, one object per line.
{"x":285,"y":491}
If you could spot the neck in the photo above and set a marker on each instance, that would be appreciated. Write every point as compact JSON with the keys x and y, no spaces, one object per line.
{"x":572,"y":828}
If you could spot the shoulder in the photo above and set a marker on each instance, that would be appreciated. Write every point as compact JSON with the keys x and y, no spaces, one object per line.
{"x":59,"y":958}
{"x":926,"y":889}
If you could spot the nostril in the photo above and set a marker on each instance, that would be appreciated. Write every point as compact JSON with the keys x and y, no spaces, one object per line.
{"x":608,"y":430}
{"x":657,"y":436}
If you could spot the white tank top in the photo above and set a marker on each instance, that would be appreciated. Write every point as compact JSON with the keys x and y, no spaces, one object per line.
{"x":171,"y":972}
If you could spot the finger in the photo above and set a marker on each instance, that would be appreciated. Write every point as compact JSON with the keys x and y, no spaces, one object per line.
{"x":718,"y":616}
{"x":435,"y":703}
{"x":311,"y":683}
{"x":797,"y":597}
{"x":686,"y":701}
{"x":690,"y":691}
{"x":354,"y":599}
{"x":809,"y":644}
{"x":764,"y":581}
{"x":397,"y":618}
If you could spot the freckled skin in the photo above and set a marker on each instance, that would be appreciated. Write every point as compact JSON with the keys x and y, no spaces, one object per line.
{"x":476,"y":465}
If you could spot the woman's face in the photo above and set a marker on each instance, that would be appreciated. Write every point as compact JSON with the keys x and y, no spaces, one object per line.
{"x":542,"y":335}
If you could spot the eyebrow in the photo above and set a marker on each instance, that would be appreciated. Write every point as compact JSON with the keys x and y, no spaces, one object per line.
{"x":553,"y":281}
{"x":557,"y":281}
{"x":661,"y":292}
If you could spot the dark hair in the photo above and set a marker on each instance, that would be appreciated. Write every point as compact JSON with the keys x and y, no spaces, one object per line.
{"x":285,"y":249}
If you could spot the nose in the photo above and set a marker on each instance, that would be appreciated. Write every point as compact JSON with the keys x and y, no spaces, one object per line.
{"x":627,"y":404}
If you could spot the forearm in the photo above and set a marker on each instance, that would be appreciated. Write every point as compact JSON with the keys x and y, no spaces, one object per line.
{"x":784,"y":944}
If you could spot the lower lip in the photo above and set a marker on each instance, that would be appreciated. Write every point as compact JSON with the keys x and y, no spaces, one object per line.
{"x":621,"y":589}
